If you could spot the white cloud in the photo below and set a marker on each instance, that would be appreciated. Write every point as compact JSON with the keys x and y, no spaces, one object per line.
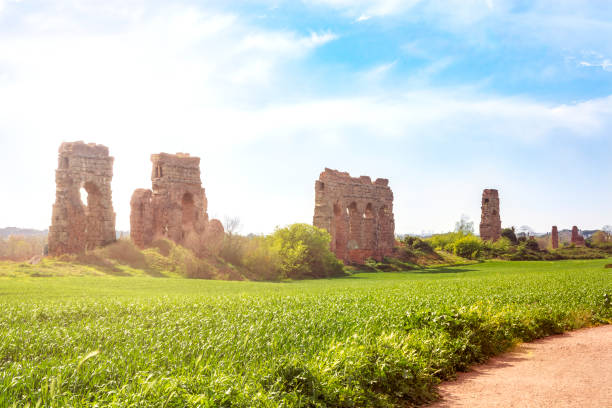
{"x":606,"y":64}
{"x":365,"y":9}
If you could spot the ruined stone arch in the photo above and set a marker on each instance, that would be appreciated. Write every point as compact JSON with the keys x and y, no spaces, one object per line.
{"x":77,"y":225}
{"x":175,"y":207}
{"x":348,"y":207}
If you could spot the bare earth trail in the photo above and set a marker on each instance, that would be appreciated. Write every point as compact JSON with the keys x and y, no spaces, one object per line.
{"x":568,"y":370}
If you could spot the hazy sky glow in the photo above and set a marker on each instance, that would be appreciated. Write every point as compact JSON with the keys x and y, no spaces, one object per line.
{"x":444,"y":98}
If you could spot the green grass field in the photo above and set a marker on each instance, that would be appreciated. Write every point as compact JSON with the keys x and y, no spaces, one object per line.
{"x":371,"y":339}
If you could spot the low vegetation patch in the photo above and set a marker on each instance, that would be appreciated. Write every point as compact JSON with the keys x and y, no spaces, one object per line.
{"x":508,"y":247}
{"x":298,"y":251}
{"x":370,"y":339}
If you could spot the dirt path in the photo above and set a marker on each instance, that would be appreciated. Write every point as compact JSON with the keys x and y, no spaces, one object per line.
{"x":568,"y":370}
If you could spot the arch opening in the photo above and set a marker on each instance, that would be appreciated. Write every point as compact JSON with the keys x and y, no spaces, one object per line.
{"x":91,"y":199}
{"x":188,"y":211}
{"x":369,"y":212}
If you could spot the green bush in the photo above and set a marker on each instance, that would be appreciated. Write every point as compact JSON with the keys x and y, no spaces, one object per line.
{"x":418,"y":244}
{"x":189,"y":265}
{"x":509,"y":234}
{"x":158,"y":262}
{"x":445,"y":241}
{"x":532,"y":244}
{"x":468,"y":247}
{"x":163,"y":245}
{"x":574,"y":252}
{"x":303,"y":252}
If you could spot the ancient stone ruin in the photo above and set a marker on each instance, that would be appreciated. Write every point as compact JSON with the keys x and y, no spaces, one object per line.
{"x":577,"y":239}
{"x":555,"y":237}
{"x":490,"y":221}
{"x":358,"y":213}
{"x":76,"y":226}
{"x":176,"y":207}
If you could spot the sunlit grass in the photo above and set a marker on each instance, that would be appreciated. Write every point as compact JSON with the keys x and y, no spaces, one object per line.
{"x":371,"y":339}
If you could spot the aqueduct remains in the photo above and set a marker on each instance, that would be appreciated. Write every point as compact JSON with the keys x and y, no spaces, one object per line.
{"x":76,"y":226}
{"x":490,"y":221}
{"x":176,"y":207}
{"x":358,"y":213}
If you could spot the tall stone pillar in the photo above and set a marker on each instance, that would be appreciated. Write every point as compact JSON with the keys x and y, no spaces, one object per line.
{"x":555,"y":237}
{"x":577,"y":239}
{"x":490,"y":221}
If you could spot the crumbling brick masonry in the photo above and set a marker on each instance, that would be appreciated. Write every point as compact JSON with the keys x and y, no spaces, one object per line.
{"x":555,"y":237}
{"x":357,"y":213}
{"x":76,"y":226}
{"x":176,"y":207}
{"x":577,"y":239}
{"x":490,"y":221}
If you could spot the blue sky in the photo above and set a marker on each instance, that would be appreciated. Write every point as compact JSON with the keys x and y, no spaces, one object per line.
{"x":444,"y":98}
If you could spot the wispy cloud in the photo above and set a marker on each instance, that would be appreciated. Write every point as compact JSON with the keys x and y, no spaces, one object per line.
{"x":597,"y":60}
{"x":365,"y":9}
{"x":606,"y":64}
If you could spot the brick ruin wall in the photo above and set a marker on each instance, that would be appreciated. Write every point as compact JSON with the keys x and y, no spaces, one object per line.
{"x":577,"y":239}
{"x":76,"y":226}
{"x":490,"y":221}
{"x":358,"y":213}
{"x":176,"y":206}
{"x":555,"y":237}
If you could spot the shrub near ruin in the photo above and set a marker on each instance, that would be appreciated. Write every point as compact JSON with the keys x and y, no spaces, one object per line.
{"x":468,"y":247}
{"x":304,"y":252}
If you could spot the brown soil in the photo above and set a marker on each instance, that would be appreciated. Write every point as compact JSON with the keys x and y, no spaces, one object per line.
{"x":569,"y":370}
